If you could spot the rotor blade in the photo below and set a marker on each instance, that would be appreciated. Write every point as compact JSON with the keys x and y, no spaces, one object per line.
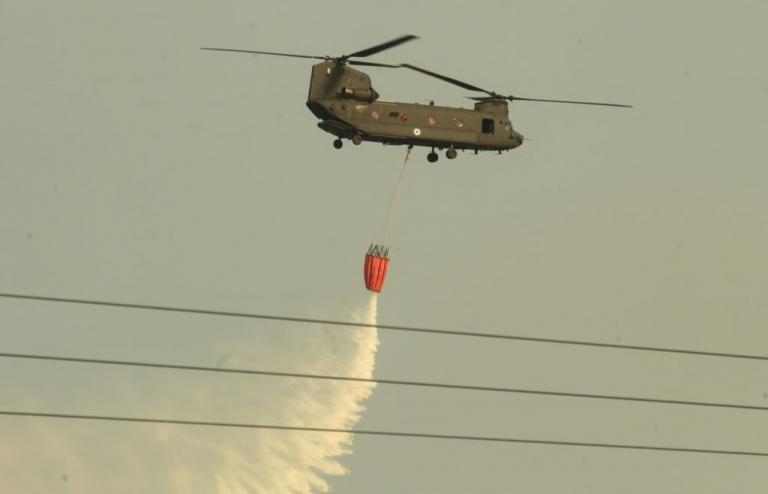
{"x":371,"y":64}
{"x":447,"y":79}
{"x":515,"y":98}
{"x":382,"y":47}
{"x":265,"y":53}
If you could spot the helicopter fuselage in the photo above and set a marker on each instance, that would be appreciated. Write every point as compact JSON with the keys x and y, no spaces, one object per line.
{"x":348,"y":107}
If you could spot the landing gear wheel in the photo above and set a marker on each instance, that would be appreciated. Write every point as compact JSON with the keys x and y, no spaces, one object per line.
{"x":432,"y":157}
{"x":357,"y":140}
{"x":450,"y":154}
{"x":337,"y":143}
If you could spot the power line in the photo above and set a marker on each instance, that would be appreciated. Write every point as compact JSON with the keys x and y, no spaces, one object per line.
{"x":421,"y":435}
{"x":379,"y":326}
{"x":464,"y":387}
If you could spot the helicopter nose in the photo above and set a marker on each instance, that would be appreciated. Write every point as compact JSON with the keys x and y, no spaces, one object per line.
{"x":518,"y":138}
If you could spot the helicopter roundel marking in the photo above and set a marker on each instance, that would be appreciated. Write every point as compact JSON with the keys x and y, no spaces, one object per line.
{"x":403,"y":117}
{"x":417,"y":131}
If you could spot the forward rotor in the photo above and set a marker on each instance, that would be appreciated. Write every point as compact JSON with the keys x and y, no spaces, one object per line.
{"x":493,"y":96}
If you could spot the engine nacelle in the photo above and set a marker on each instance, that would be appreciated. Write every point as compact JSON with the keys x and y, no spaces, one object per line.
{"x":360,"y":94}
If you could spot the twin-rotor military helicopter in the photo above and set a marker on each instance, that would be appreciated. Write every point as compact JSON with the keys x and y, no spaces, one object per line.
{"x":348,"y":107}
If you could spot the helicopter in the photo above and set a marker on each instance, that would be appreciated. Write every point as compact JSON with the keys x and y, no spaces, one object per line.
{"x":348,"y":107}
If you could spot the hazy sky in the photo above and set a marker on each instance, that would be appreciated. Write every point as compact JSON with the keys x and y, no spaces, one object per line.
{"x":135,"y":167}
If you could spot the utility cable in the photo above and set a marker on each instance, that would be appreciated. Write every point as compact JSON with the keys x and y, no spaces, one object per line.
{"x":379,"y":381}
{"x":421,"y":435}
{"x":388,"y":327}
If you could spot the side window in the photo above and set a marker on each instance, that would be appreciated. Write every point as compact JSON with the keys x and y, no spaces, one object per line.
{"x":487,"y":126}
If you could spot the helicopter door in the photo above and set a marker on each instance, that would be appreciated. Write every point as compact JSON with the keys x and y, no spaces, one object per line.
{"x":487,"y":126}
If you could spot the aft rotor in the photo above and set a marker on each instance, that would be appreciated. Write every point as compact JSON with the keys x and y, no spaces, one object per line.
{"x":343,"y":59}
